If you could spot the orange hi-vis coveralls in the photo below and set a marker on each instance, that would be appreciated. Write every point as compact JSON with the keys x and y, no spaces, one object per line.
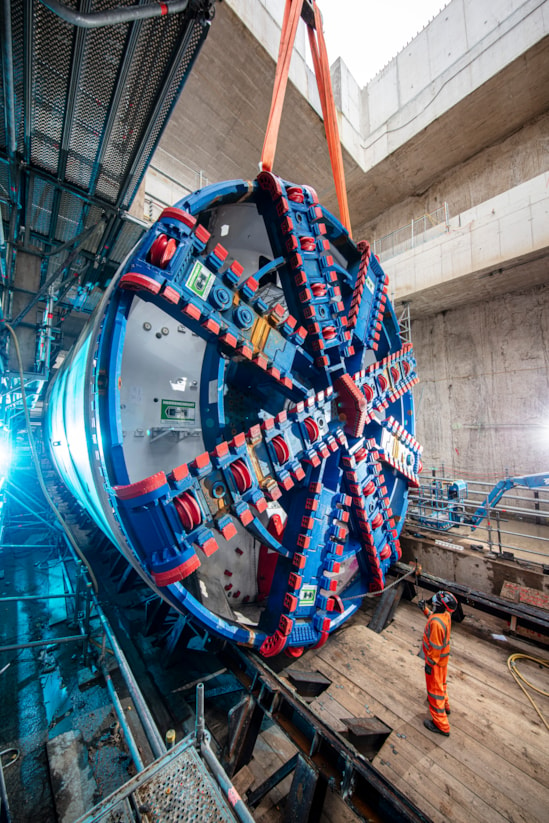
{"x":436,"y":648}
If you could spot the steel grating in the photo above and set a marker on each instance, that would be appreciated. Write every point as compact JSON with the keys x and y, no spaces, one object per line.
{"x":128,"y":236}
{"x":175,"y":789}
{"x":87,"y":111}
{"x":188,"y":50}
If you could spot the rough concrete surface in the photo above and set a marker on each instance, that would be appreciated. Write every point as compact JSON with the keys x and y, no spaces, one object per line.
{"x":507,"y":163}
{"x":479,"y":572}
{"x":71,"y":776}
{"x":482,"y":404}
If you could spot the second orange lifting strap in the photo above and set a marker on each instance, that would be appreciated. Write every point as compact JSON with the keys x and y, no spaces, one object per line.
{"x":292,"y":14}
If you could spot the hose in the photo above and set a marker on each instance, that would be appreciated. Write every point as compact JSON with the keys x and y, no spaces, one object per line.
{"x":114,"y":16}
{"x":520,"y":679}
{"x":36,"y":461}
{"x":381,"y":591}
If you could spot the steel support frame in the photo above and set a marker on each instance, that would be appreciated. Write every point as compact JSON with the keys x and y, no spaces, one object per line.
{"x":325,"y":757}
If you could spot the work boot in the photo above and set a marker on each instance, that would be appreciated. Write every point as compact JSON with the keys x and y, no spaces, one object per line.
{"x":428,"y":723}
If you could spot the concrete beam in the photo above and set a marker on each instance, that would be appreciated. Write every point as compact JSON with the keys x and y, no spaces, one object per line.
{"x":482,"y":253}
{"x":467,"y":44}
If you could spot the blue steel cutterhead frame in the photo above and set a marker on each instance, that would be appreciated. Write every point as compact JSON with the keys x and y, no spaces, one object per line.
{"x":288,"y":508}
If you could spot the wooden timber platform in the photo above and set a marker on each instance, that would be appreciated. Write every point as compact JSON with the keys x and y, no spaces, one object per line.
{"x":494,"y":767}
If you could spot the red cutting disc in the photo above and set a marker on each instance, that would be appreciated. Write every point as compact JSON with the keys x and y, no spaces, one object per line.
{"x":312,"y":429}
{"x":307,"y":243}
{"x":242,"y":476}
{"x":296,"y":194}
{"x":168,"y":252}
{"x":377,"y":521}
{"x":281,"y":449}
{"x":157,"y":249}
{"x":178,"y":214}
{"x":188,"y":511}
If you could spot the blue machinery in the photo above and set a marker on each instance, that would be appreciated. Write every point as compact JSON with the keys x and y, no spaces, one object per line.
{"x":443,"y":505}
{"x":238,"y":418}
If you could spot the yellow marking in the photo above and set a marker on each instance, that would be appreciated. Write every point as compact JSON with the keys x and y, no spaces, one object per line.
{"x":260,"y":332}
{"x":257,"y":467}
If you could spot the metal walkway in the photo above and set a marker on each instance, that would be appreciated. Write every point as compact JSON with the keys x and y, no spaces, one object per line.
{"x":84,"y":109}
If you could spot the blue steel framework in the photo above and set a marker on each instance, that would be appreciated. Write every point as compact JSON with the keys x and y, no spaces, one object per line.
{"x":317,"y":461}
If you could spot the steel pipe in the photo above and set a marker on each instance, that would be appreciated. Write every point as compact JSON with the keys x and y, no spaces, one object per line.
{"x":52,"y":641}
{"x":237,"y":804}
{"x":130,"y":740}
{"x":9,"y":86}
{"x":5,"y":816}
{"x":35,"y":597}
{"x":154,"y":737}
{"x":115,"y":16}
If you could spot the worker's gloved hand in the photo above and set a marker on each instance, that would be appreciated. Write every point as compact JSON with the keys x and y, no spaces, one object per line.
{"x":422,"y":604}
{"x":428,"y":669}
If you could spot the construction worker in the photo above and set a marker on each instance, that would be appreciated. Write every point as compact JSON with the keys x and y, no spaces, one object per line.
{"x":436,"y":649}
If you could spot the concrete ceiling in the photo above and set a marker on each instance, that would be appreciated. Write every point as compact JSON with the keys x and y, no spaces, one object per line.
{"x":516,"y":275}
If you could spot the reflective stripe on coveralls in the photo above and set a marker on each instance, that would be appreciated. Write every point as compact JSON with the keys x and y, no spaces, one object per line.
{"x":436,"y":647}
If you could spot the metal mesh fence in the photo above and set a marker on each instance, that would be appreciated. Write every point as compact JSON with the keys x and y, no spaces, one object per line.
{"x":413,"y":234}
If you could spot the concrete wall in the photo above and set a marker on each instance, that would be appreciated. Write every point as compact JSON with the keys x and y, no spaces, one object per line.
{"x":465,"y":45}
{"x":473,"y":569}
{"x":499,"y":167}
{"x":482,"y":406}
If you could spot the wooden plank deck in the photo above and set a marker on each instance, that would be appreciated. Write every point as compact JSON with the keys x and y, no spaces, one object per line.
{"x":494,"y":767}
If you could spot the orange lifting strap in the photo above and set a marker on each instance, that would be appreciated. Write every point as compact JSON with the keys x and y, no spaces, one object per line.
{"x":292,"y":13}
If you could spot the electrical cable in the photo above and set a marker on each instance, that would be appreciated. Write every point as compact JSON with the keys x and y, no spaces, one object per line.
{"x":520,"y":679}
{"x":381,"y":591}
{"x":64,"y":525}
